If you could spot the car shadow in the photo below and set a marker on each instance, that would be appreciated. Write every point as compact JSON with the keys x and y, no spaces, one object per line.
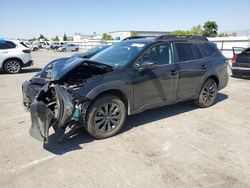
{"x":82,"y":137}
{"x":30,"y":70}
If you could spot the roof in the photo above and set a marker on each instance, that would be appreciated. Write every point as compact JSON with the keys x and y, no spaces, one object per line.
{"x":168,"y":38}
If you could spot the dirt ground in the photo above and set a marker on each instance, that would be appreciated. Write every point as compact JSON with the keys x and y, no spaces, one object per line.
{"x":174,"y":146}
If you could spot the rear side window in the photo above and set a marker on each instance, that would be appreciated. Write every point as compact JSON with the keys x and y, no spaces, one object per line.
{"x":188,"y":52}
{"x":207,"y":50}
{"x":22,"y":43}
{"x":6,"y":45}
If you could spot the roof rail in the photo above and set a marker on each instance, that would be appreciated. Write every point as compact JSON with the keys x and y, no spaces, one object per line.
{"x":181,"y":37}
{"x":138,"y":37}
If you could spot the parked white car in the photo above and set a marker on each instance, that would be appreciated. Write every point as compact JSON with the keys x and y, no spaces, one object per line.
{"x":68,"y":47}
{"x":14,"y":55}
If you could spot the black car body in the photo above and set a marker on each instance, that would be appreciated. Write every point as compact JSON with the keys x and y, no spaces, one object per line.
{"x":241,"y":62}
{"x":125,"y":79}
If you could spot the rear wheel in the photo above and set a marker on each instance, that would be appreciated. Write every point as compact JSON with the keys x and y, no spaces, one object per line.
{"x":106,"y":116}
{"x":207,"y":94}
{"x":76,"y":49}
{"x":64,"y":50}
{"x":12,"y":66}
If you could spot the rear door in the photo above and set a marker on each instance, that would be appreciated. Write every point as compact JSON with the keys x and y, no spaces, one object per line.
{"x":192,"y":67}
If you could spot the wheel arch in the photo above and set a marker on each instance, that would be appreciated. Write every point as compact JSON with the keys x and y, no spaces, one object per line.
{"x":118,"y":93}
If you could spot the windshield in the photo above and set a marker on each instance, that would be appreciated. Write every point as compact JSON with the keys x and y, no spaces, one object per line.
{"x":118,"y":55}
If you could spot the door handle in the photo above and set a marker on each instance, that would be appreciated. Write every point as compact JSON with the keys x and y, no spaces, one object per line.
{"x":204,"y":67}
{"x":4,"y":52}
{"x":173,"y":72}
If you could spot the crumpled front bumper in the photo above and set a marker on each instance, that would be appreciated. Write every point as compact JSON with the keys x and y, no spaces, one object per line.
{"x":43,"y":117}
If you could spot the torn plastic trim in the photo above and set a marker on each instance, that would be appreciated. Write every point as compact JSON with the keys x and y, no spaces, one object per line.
{"x":58,"y":114}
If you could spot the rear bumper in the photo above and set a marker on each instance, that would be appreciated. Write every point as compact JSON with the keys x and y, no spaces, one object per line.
{"x":29,"y":63}
{"x":241,"y":71}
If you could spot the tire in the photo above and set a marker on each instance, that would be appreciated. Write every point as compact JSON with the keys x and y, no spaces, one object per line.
{"x":207,"y":94}
{"x":35,"y":49}
{"x":76,"y":50}
{"x":12,"y":66}
{"x":63,"y":50}
{"x":105,"y":117}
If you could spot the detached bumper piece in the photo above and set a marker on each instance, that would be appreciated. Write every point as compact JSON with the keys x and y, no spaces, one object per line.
{"x":42,"y":118}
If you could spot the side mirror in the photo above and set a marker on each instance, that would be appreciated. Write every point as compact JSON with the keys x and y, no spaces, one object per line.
{"x":147,"y":65}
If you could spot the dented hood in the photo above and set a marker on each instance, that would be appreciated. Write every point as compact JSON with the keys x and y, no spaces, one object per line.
{"x":59,"y":68}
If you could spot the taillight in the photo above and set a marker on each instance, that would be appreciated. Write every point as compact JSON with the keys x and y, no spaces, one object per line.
{"x":234,"y":59}
{"x":26,"y":51}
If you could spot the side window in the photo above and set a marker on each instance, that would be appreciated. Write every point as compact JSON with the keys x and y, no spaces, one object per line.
{"x":7,"y":45}
{"x":160,"y":54}
{"x":184,"y":52}
{"x":196,"y":52}
{"x":206,"y":50}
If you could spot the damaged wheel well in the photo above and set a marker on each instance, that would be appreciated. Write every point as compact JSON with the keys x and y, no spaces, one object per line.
{"x":117,"y":93}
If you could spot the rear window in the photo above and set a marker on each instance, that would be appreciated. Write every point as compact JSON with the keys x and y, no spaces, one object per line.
{"x":188,"y":52}
{"x":207,"y":50}
{"x":22,"y":43}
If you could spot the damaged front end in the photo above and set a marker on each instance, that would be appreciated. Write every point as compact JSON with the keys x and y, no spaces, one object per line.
{"x":56,"y":107}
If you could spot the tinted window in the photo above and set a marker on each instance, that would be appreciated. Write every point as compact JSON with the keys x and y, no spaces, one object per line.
{"x":207,"y":50}
{"x":160,"y":54}
{"x":188,"y":52}
{"x":7,"y":45}
{"x":196,"y":52}
{"x":184,"y":52}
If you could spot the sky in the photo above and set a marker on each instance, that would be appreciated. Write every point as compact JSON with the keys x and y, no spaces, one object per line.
{"x":29,"y":18}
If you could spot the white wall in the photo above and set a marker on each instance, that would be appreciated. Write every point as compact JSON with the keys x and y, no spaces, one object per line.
{"x":225,"y":44}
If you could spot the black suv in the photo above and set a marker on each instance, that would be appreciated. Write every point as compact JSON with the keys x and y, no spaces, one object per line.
{"x":127,"y":78}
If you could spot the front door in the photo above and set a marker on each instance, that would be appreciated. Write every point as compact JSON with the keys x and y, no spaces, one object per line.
{"x":152,"y":87}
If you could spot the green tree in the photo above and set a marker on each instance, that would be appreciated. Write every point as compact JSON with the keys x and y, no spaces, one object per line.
{"x":180,"y":32}
{"x":106,"y":36}
{"x":210,"y":29}
{"x":65,"y":37}
{"x":41,"y":37}
{"x":56,"y":38}
{"x":196,"y":30}
{"x":133,"y":34}
{"x":222,"y":35}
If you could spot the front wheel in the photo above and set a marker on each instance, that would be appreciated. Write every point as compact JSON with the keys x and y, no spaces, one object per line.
{"x":106,"y":116}
{"x":207,"y":94}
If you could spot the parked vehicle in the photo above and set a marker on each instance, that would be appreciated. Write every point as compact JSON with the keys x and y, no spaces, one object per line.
{"x":14,"y":55}
{"x":241,"y":62}
{"x":56,"y":45}
{"x":44,"y":45}
{"x":91,"y":52}
{"x":127,"y":78}
{"x":68,"y":47}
